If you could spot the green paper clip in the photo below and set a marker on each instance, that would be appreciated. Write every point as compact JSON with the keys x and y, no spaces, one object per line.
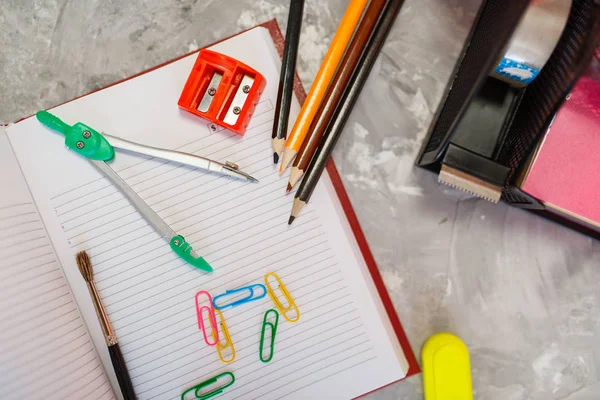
{"x":273,"y":332}
{"x":196,"y":389}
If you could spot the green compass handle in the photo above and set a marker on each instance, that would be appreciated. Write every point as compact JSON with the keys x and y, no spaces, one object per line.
{"x":183,"y":250}
{"x":80,"y":138}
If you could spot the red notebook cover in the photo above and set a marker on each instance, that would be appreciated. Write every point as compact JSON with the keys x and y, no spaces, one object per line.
{"x":278,"y":38}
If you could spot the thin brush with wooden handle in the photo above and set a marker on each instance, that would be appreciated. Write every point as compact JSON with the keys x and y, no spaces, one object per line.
{"x":85,"y":267}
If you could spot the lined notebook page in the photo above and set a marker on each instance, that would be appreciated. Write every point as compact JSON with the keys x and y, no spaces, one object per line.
{"x":241,"y":230}
{"x":44,"y":344}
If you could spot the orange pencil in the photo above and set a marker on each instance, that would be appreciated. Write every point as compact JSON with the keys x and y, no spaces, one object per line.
{"x":319,"y":86}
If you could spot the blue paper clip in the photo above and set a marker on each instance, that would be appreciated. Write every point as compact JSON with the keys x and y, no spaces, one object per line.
{"x":251,"y":297}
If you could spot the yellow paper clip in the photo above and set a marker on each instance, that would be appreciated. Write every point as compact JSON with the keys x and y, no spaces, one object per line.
{"x":282,"y":309}
{"x":225,"y":334}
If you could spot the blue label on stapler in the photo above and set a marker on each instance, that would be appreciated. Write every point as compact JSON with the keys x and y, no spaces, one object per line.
{"x":516,"y":71}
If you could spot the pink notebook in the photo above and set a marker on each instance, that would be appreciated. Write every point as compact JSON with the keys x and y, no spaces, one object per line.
{"x":564,"y":172}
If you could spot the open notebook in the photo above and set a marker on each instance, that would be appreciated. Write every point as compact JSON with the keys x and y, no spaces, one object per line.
{"x":343,"y":346}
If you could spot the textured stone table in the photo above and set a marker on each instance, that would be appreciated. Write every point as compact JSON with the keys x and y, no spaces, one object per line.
{"x":522,"y":292}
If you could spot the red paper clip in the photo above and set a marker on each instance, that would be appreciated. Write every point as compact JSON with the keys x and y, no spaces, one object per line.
{"x":211,"y":318}
{"x":222,"y":90}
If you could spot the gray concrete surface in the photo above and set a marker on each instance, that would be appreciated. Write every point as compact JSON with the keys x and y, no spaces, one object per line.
{"x":522,"y":292}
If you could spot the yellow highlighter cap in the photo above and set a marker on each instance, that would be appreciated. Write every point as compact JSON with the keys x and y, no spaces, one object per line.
{"x":446,"y":368}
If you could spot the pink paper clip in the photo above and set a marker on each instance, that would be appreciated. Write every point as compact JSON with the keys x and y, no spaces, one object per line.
{"x":211,"y":318}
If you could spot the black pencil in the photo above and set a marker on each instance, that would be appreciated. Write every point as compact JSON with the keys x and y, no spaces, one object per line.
{"x":286,"y":78}
{"x":343,"y":109}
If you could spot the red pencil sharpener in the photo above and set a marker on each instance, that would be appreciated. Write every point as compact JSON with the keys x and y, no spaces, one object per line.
{"x":222,"y":90}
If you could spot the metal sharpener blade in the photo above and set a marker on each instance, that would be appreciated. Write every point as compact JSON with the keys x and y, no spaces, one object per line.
{"x":239,"y":100}
{"x":209,"y":95}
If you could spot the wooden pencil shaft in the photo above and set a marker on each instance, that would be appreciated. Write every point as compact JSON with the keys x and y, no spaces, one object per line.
{"x":297,"y":206}
{"x":288,"y":67}
{"x":349,"y":97}
{"x":339,"y":82}
{"x":334,"y":54}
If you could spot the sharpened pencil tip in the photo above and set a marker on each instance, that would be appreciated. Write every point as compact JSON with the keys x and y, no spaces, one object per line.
{"x":275,"y":158}
{"x":252,"y":179}
{"x":292,"y":218}
{"x":288,"y":188}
